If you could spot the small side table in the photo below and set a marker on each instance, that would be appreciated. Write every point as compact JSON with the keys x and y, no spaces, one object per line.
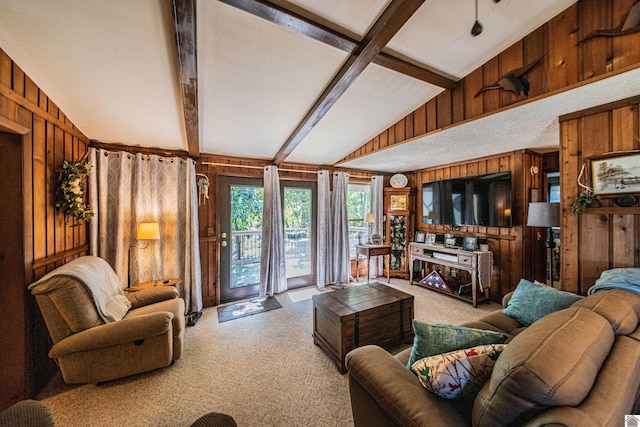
{"x":153,"y":283}
{"x":369,"y":251}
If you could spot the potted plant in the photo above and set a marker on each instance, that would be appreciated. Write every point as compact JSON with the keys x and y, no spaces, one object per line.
{"x":584,"y":200}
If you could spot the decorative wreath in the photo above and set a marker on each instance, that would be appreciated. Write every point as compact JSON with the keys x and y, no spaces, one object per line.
{"x":69,"y":198}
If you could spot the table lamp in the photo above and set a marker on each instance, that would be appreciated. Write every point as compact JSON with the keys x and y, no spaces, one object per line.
{"x":369,"y":219}
{"x":150,"y":231}
{"x":544,"y":214}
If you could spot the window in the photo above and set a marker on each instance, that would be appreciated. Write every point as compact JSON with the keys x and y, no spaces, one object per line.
{"x":358,"y":205}
{"x":553,"y":180}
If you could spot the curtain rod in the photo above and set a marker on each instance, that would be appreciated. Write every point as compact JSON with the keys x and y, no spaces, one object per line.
{"x":232,"y":165}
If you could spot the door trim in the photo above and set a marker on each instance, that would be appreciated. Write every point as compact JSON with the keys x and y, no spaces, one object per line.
{"x":226,"y":294}
{"x":301,"y":281}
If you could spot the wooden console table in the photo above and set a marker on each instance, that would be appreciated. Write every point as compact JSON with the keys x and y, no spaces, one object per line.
{"x":369,"y":251}
{"x":478,"y":264}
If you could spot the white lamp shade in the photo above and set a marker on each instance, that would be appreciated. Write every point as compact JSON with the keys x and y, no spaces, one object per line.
{"x":544,"y":214}
{"x":369,"y":218}
{"x":148,"y":231}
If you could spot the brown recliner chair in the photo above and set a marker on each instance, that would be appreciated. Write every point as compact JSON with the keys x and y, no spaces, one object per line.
{"x":99,"y":333}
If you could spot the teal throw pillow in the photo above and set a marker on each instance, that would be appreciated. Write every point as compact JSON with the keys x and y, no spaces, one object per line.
{"x":531,"y":302}
{"x":438,"y":338}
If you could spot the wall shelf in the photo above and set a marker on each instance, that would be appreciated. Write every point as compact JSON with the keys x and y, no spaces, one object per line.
{"x":616,"y":210}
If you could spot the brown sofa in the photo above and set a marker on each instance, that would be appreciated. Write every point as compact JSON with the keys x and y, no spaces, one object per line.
{"x":147,"y":331}
{"x":575,"y":367}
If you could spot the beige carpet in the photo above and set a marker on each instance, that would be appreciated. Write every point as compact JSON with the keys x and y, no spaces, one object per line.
{"x":263,"y":370}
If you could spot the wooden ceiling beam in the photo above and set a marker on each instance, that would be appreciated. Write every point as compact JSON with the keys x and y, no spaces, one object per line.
{"x":307,"y":26}
{"x":294,"y":22}
{"x":184,"y":26}
{"x":412,"y":70}
{"x":389,"y":23}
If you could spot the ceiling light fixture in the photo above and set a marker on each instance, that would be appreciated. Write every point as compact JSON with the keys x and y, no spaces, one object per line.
{"x":477,"y":26}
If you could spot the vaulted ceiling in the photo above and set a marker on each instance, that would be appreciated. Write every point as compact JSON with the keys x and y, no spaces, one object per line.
{"x":304,"y":81}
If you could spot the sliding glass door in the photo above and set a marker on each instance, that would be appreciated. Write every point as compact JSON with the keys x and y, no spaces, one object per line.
{"x":241,"y":203}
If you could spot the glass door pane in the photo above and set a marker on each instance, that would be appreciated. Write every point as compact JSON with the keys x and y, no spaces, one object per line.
{"x":246,"y":234}
{"x":299,"y":218}
{"x":297,"y":231}
{"x":241,"y":201}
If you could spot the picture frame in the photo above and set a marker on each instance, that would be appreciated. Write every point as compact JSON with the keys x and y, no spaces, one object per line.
{"x":615,"y":174}
{"x":450,"y":242}
{"x":431,"y":239}
{"x":470,"y":243}
{"x":420,"y":236}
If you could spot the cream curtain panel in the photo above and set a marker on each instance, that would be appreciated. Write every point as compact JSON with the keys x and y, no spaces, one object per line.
{"x":339,"y":258}
{"x":324,"y":228}
{"x":377,"y":196}
{"x":127,"y":189}
{"x":273,"y":276}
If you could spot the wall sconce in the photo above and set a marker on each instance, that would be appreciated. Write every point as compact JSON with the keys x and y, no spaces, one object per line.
{"x":146,"y":231}
{"x":369,"y":219}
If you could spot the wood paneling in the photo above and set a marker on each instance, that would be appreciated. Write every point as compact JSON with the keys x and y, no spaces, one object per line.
{"x":516,"y":252}
{"x":607,"y":237}
{"x":566,"y":63}
{"x":48,"y":138}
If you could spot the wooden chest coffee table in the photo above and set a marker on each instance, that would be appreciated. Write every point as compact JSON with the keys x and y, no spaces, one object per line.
{"x":361,"y":315}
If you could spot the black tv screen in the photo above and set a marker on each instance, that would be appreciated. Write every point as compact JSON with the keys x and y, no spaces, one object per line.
{"x":483,"y":200}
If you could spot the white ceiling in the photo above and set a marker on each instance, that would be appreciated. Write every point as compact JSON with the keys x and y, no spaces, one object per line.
{"x":111,"y":67}
{"x":533,"y":125}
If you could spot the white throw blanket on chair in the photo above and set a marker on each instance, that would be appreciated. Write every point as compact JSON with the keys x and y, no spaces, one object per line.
{"x":101,"y":281}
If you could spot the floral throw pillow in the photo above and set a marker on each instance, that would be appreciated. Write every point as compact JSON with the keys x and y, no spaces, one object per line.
{"x":458,"y":373}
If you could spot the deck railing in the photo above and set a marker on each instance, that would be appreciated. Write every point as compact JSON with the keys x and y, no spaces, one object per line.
{"x":247,"y":245}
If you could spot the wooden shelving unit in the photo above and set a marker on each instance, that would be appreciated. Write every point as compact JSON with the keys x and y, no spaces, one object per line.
{"x":399,"y":209}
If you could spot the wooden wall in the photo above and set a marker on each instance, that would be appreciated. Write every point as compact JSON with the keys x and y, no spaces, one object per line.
{"x":209,"y":213}
{"x":48,"y":138}
{"x":566,"y":64}
{"x":606,"y":237}
{"x":515,"y":249}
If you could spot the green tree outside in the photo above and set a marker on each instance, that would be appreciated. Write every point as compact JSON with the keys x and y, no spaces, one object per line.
{"x":246,"y":208}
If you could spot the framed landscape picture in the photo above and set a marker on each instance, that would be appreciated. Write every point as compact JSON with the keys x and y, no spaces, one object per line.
{"x":398,"y":202}
{"x":420,"y":235}
{"x":616,"y":174}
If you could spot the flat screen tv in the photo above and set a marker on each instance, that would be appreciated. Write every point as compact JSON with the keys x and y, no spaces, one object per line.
{"x":483,"y":200}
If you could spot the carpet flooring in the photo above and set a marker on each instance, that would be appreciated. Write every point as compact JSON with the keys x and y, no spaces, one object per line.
{"x":246,"y":308}
{"x":262,"y":370}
